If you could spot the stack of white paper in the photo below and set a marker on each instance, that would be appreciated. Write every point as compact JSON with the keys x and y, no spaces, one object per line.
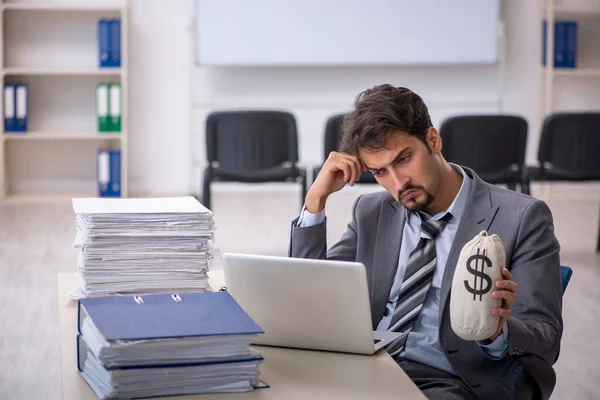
{"x":152,"y":245}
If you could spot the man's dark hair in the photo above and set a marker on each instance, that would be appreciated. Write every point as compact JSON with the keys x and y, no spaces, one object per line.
{"x":378,"y":113}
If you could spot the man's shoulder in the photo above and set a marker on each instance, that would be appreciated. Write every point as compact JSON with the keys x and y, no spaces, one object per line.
{"x":515,"y":201}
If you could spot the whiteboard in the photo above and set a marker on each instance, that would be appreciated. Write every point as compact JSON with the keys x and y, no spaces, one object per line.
{"x":346,"y":32}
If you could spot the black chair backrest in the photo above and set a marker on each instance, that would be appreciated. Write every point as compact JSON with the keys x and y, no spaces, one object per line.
{"x":251,"y":140}
{"x":485,"y":143}
{"x":570,"y":143}
{"x":333,"y":134}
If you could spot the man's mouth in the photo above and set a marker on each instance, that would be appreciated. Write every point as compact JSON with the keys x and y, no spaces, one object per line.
{"x":409,"y":194}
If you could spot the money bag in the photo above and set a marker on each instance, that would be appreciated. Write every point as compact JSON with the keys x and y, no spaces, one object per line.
{"x":478,"y":268}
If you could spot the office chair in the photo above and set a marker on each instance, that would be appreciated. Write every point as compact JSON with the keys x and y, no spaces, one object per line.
{"x":492,"y":145}
{"x":565,"y":274}
{"x":568,"y":150}
{"x":251,"y":146}
{"x":333,"y":135}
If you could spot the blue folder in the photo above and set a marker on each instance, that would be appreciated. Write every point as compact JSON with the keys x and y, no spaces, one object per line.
{"x":571,"y":44}
{"x":104,"y":43}
{"x":115,"y":173}
{"x":115,"y":43}
{"x":162,"y":316}
{"x":21,"y":107}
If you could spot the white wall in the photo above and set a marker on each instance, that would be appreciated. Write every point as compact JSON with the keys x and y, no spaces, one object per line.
{"x":160,"y":76}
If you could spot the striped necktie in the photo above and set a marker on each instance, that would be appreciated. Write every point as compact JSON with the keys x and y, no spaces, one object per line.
{"x":418,"y":276}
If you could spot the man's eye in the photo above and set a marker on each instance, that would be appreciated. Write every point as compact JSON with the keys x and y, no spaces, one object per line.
{"x":403,"y":160}
{"x":378,"y":173}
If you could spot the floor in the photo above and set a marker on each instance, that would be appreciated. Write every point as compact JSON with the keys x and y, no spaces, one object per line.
{"x":36,"y":243}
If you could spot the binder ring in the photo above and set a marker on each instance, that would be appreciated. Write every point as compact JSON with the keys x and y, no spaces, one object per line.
{"x":138,"y":299}
{"x":176,"y":298}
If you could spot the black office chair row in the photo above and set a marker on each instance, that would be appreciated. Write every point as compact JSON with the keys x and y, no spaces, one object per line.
{"x":262,"y":146}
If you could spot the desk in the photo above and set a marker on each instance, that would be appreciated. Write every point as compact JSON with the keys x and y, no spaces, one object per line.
{"x":292,"y":374}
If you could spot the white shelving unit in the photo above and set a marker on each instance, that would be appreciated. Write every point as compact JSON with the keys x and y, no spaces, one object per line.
{"x":554,"y":80}
{"x":52,"y":46}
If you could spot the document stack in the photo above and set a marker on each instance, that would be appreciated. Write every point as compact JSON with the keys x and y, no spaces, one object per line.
{"x":166,"y":344}
{"x":142,"y":246}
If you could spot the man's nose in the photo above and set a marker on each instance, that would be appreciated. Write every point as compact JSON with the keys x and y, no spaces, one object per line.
{"x":400,"y":180}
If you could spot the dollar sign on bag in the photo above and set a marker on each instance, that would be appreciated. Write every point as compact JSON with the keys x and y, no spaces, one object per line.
{"x":481,"y":274}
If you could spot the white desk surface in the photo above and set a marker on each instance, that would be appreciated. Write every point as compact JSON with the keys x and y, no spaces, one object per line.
{"x":292,"y":374}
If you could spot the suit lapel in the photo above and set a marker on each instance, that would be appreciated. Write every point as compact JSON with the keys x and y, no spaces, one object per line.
{"x":387,"y":250}
{"x":478,"y":216}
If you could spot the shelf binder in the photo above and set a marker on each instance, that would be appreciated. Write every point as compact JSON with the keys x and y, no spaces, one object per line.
{"x":565,"y":44}
{"x":115,"y":173}
{"x":104,"y":43}
{"x":9,"y":108}
{"x":114,"y":107}
{"x":115,"y":42}
{"x":21,"y":107}
{"x":571,"y":44}
{"x":102,"y":104}
{"x":109,"y":173}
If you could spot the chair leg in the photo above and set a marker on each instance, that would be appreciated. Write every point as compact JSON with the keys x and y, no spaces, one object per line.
{"x":598,"y":245}
{"x":525,"y":188}
{"x":206,"y":191}
{"x":303,"y":183}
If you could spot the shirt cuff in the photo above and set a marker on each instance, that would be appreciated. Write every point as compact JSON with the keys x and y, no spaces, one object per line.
{"x":309,"y":219}
{"x":498,"y":347}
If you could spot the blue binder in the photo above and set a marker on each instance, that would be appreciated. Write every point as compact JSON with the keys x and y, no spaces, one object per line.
{"x":571,"y":41}
{"x":162,"y":316}
{"x":560,"y":44}
{"x":115,"y":173}
{"x":9,"y":108}
{"x":21,"y":107}
{"x":108,"y":173}
{"x":115,"y":43}
{"x":103,"y":172}
{"x":104,"y":43}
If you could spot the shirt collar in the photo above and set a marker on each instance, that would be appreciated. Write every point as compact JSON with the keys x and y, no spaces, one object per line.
{"x":457,"y":208}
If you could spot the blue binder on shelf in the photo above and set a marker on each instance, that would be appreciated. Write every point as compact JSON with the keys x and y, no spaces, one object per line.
{"x":115,"y":42}
{"x":115,"y":173}
{"x":159,"y":316}
{"x":109,"y":173}
{"x":9,"y":108}
{"x":571,"y":44}
{"x":565,"y":44}
{"x":104,"y":58}
{"x":21,"y":107}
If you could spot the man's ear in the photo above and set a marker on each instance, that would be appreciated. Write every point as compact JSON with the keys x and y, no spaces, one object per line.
{"x":434,"y":140}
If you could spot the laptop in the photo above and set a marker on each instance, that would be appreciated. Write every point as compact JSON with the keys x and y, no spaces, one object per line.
{"x":304,"y":303}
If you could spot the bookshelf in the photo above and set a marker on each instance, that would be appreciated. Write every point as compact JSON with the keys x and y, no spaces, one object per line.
{"x":559,"y":86}
{"x":52,"y":47}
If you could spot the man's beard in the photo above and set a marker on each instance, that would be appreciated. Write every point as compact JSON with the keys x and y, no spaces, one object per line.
{"x":414,"y":205}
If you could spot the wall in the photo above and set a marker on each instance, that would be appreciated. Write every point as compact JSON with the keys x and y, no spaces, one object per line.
{"x":161,"y":58}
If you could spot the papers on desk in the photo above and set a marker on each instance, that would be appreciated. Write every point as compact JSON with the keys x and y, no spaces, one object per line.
{"x":153,"y":245}
{"x":159,"y":345}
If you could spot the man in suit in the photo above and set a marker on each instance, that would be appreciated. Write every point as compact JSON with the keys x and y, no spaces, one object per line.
{"x":409,"y":238}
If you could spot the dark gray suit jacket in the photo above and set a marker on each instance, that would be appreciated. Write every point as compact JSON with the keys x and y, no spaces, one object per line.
{"x":526,"y":228}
